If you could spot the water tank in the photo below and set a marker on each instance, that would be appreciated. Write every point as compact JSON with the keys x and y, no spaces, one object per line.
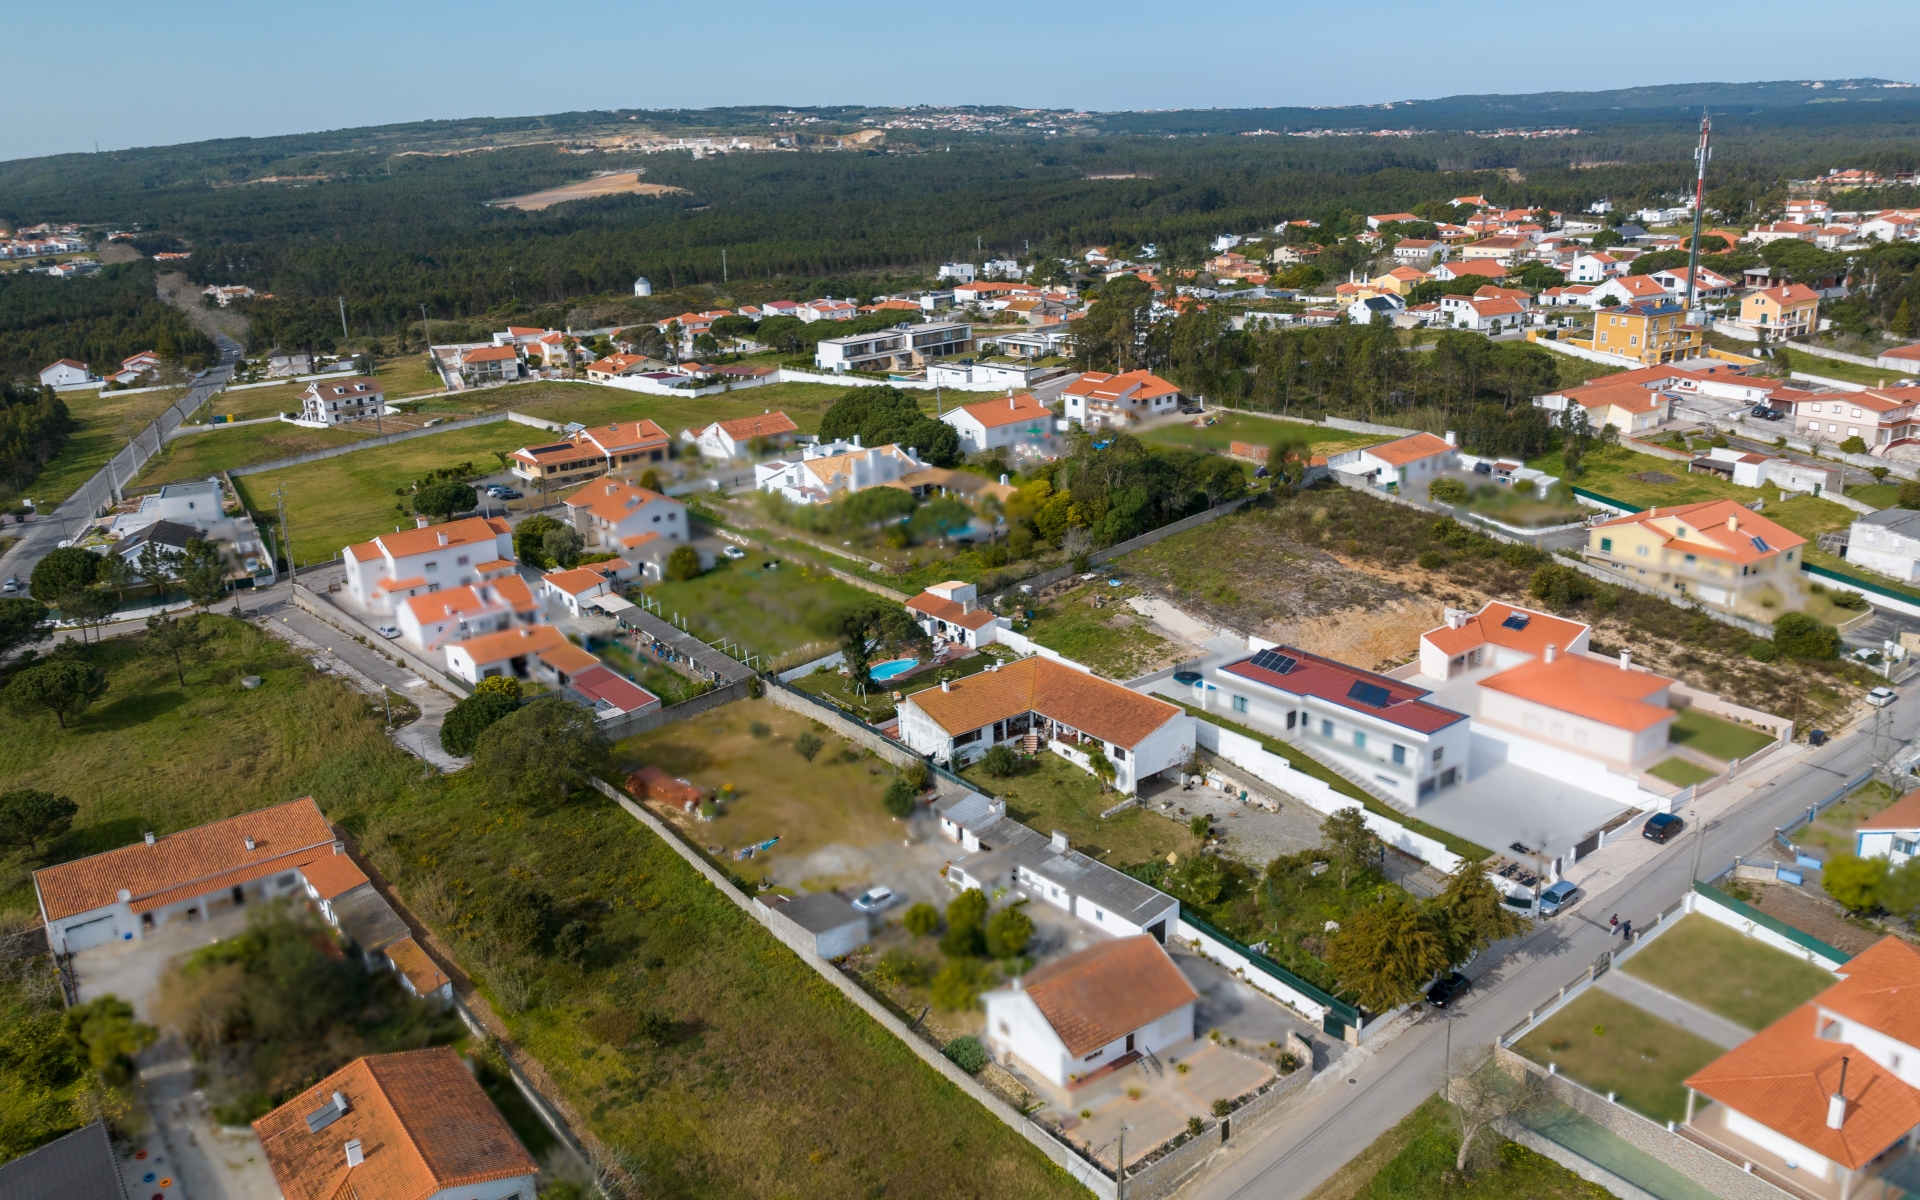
{"x":641,"y":287}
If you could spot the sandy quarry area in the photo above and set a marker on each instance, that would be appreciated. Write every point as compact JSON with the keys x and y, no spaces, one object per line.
{"x":622,"y":183}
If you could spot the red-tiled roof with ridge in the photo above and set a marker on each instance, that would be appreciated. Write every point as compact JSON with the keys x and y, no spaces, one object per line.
{"x":1110,"y":989}
{"x":1087,"y":703}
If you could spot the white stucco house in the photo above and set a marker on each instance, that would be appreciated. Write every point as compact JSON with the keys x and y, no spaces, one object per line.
{"x":1415,"y":459}
{"x":1888,"y":542}
{"x":1111,"y":1003}
{"x":398,"y":566}
{"x":1892,"y":833}
{"x":952,"y":611}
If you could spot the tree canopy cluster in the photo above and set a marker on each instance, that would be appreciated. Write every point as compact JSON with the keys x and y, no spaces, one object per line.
{"x":97,"y":319}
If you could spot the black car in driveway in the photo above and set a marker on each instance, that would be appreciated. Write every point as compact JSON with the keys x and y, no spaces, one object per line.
{"x":1452,"y":984}
{"x":1661,"y":826}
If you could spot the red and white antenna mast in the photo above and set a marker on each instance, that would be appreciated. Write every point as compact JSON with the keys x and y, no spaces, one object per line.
{"x":1701,"y":154}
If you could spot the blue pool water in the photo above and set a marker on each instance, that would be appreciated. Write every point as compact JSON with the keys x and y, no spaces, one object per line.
{"x":881,"y":672}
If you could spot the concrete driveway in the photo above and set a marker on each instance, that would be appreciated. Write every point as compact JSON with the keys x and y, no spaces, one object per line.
{"x":132,"y":969}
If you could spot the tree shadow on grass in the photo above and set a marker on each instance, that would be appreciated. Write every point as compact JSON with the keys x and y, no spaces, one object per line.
{"x":129,"y":711}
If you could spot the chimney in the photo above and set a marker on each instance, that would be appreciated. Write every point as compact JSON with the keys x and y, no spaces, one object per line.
{"x":1058,"y":843}
{"x":421,"y":522}
{"x":1733,"y":522}
{"x":443,"y":539}
{"x":946,"y":685}
{"x":1453,"y":439}
{"x":856,"y":439}
{"x":249,"y":842}
{"x":339,"y":847}
{"x":1626,"y":660}
{"x":1012,"y":405}
{"x":1003,"y":479}
{"x":1552,"y":651}
{"x":1837,"y":1103}
{"x":149,"y":837}
{"x":123,"y":895}
{"x":355,"y":1155}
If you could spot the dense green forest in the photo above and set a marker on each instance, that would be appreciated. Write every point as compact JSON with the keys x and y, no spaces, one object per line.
{"x":97,"y":319}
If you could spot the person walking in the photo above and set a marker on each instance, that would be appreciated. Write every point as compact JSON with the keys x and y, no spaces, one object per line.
{"x":1613,"y":924}
{"x":1626,"y":931}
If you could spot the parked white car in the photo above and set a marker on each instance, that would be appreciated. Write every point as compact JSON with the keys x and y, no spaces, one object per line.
{"x":873,"y":899}
{"x":1880,"y":697}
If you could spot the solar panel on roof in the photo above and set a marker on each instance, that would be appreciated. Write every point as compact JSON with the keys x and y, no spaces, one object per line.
{"x":1369,"y":693}
{"x":1760,"y":544}
{"x":1516,"y":620}
{"x":1273,"y":660}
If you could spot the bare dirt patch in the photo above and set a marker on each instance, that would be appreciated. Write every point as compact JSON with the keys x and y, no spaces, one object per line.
{"x":176,"y":289}
{"x":622,"y":183}
{"x":1812,"y":914}
{"x":118,"y":252}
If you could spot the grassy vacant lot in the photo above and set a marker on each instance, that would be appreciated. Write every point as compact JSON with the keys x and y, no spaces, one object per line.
{"x":719,"y":1092}
{"x":1834,"y":829}
{"x":1229,"y":427}
{"x":1679,"y":772}
{"x":107,"y":420}
{"x":591,"y":403}
{"x":1112,"y":638}
{"x":1747,"y":982}
{"x":1717,"y":736}
{"x":749,"y":746}
{"x":1610,"y":1046}
{"x":1833,"y":368}
{"x":407,"y":376}
{"x":244,"y":404}
{"x":198,"y":455}
{"x":1875,"y":495}
{"x":1051,"y":793}
{"x":774,"y":613}
{"x":339,"y":501}
{"x":1414,"y":1161}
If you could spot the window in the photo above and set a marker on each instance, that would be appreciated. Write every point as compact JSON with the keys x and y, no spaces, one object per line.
{"x":1606,"y":545}
{"x":1691,"y":559}
{"x":1359,"y":739}
{"x":1120,"y":753}
{"x":1240,"y":705}
{"x":1400,"y":755}
{"x":1439,"y":752}
{"x":433,"y":566}
{"x":966,"y":738}
{"x":461,"y":561}
{"x":1291,"y":715}
{"x":1902,"y":846}
{"x":1641,"y":551}
{"x":1326,"y":729}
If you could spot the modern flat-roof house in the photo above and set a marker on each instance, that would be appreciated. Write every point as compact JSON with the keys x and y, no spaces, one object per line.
{"x":1585,"y":706}
{"x":728,"y":440}
{"x":904,"y":347}
{"x":1377,"y":727}
{"x":1100,"y":399}
{"x":341,"y":401}
{"x":1824,"y":1099}
{"x":398,"y":566}
{"x":641,"y":526}
{"x":1415,"y":459}
{"x":193,"y":874}
{"x":1892,"y":833}
{"x":1045,"y":704}
{"x":407,"y":1126}
{"x":1717,"y":551}
{"x":1104,"y":1006}
{"x":952,"y":611}
{"x":80,"y":1166}
{"x":1016,"y":420}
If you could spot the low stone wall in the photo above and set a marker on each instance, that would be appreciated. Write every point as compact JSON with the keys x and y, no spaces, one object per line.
{"x":791,"y":698}
{"x":1694,"y":1161}
{"x":1586,"y":1169}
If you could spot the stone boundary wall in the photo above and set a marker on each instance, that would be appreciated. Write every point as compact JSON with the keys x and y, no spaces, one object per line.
{"x":365,"y":444}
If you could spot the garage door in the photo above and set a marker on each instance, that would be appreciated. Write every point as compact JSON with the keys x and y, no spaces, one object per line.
{"x":90,"y":933}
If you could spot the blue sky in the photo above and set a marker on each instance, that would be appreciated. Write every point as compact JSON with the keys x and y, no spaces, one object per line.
{"x":154,"y":74}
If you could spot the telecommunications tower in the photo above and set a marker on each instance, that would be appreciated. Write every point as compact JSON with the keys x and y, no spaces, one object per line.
{"x":1701,"y":153}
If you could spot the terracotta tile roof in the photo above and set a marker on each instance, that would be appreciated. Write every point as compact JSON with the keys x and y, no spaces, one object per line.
{"x":509,"y":643}
{"x":1629,"y":397}
{"x":1639,"y":286}
{"x":498,"y":564}
{"x":1144,"y":385}
{"x":1495,"y":306}
{"x":1784,"y":1075}
{"x":571,"y":450}
{"x":420,"y":1118}
{"x":281,"y":835}
{"x":1336,"y":683}
{"x":1870,"y":986}
{"x":626,"y":436}
{"x":332,"y":875}
{"x":1489,"y":625}
{"x":1413,"y":448}
{"x":567,"y":658}
{"x":618,"y":364}
{"x":600,"y":683}
{"x":1585,"y":687}
{"x":489,"y":354}
{"x":420,"y":970}
{"x":611,"y":500}
{"x":1903,"y":352}
{"x":1487,"y":267}
{"x":1750,"y":539}
{"x":515,"y":592}
{"x":435,"y":606}
{"x":400,"y":585}
{"x":1903,"y":813}
{"x":951,"y":612}
{"x":1788,"y":294}
{"x":743,"y":429}
{"x":575,"y":581}
{"x":994,"y":413}
{"x":1108,"y":990}
{"x":1092,"y":705}
{"x":465,"y":532}
{"x":364,"y":552}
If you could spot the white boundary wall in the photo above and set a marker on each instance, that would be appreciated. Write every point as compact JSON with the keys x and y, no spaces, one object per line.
{"x":1310,"y":1009}
{"x":1707,"y":906}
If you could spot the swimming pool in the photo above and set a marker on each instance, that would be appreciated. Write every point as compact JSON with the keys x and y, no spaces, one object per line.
{"x":881,"y":672}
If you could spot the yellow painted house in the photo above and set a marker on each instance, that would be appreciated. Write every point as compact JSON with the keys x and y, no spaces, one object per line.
{"x":1717,"y":552}
{"x":1650,"y":332}
{"x":1399,"y":281}
{"x":1790,"y":310}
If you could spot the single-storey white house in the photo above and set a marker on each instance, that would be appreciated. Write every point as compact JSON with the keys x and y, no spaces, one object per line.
{"x":1416,"y":459}
{"x":419,"y":974}
{"x":511,"y":652}
{"x":574,"y":589}
{"x":728,"y":440}
{"x":1006,"y":856}
{"x":1888,"y":542}
{"x":1892,"y":833}
{"x":952,"y":611}
{"x":1043,"y":703}
{"x":1107,"y":1005}
{"x":66,"y":373}
{"x":991,"y":424}
{"x":395,"y":567}
{"x":822,"y":473}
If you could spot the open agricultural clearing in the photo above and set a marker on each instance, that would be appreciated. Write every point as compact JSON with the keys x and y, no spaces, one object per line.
{"x":108,"y":420}
{"x":1229,"y":427}
{"x":622,"y":183}
{"x":199,"y":455}
{"x":779,"y":613}
{"x":1746,"y":981}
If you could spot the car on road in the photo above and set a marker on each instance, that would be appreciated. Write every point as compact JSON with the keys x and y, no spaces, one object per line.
{"x":1451,"y":985}
{"x":1557,"y":897}
{"x":732,"y":552}
{"x":873,"y":899}
{"x":1880,"y":697}
{"x":1661,"y":827}
{"x":387,"y":631}
{"x":11,"y":585}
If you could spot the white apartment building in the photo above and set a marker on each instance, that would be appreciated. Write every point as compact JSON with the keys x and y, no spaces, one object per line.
{"x":906,"y":346}
{"x":398,"y":566}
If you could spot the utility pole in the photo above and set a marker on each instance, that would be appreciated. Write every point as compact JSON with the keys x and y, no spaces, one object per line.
{"x":343,"y":316}
{"x":1701,"y":154}
{"x":286,"y":538}
{"x":723,"y":264}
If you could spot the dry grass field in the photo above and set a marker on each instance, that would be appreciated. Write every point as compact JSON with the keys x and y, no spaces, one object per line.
{"x":621,"y":183}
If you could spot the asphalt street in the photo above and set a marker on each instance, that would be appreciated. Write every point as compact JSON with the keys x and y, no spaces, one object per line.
{"x":1344,"y":1111}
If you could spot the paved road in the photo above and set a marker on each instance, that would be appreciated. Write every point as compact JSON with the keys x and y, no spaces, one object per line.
{"x":1346,"y":1109}
{"x":40,"y":536}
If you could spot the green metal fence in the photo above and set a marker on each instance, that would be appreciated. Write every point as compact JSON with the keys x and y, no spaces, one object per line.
{"x":1609,"y":501}
{"x":1804,"y":940}
{"x":1336,"y":1009}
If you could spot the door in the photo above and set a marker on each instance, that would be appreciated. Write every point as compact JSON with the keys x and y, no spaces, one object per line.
{"x":88,"y":934}
{"x":1130,"y":1043}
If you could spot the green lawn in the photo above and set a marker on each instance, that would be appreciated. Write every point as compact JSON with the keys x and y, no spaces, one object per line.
{"x":1747,"y":982}
{"x":1609,"y":1045}
{"x":1833,"y":368}
{"x":244,"y":404}
{"x":1051,"y":794}
{"x":1414,"y":1161}
{"x":1679,"y":772}
{"x":339,"y":501}
{"x":1717,"y":736}
{"x":1875,"y":495}
{"x":107,"y":421}
{"x":749,"y":1046}
{"x":1229,"y":427}
{"x":406,"y":376}
{"x":198,"y":455}
{"x":783,"y":613}
{"x":1112,"y":638}
{"x":591,"y":404}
